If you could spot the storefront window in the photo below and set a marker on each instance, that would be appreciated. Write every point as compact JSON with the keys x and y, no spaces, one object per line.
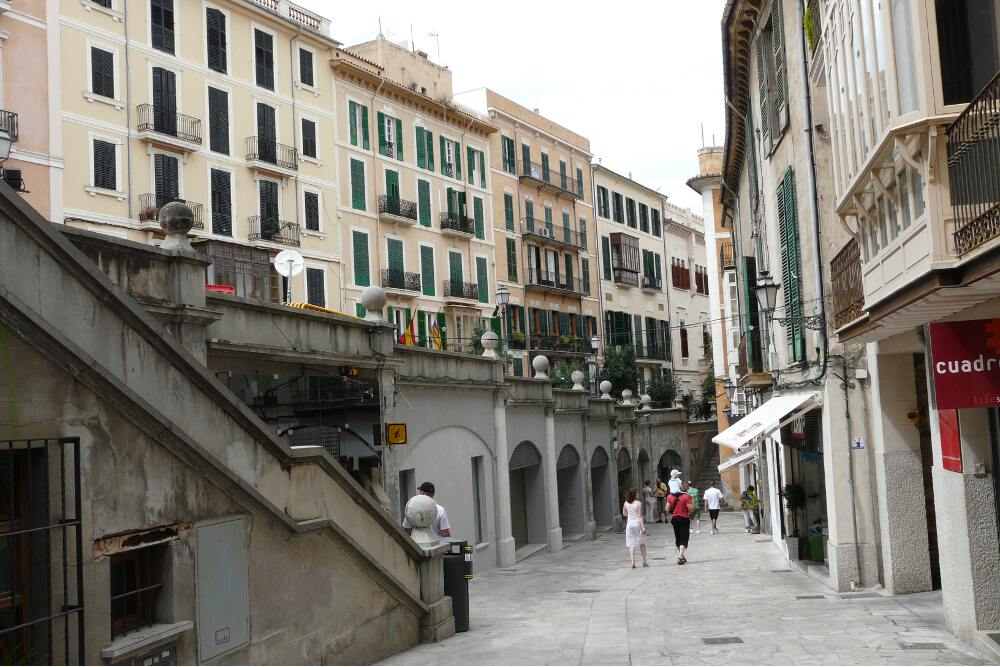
{"x":903,"y":33}
{"x":967,"y":42}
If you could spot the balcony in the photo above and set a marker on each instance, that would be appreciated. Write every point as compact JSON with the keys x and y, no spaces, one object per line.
{"x":848,"y":291}
{"x":456,"y":224}
{"x":269,"y":156}
{"x":552,"y":235}
{"x":8,"y":125}
{"x":547,"y":179}
{"x":271,"y":229}
{"x":650,"y":352}
{"x":562,"y":345}
{"x":726,"y":258}
{"x":652,"y":283}
{"x":150,"y":205}
{"x":457,"y":290}
{"x":402,"y":283}
{"x":298,"y":14}
{"x":394,"y":209}
{"x":161,"y":125}
{"x":624,"y":276}
{"x":552,"y":282}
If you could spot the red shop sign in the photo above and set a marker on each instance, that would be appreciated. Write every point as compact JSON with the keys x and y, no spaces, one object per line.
{"x":966,"y":363}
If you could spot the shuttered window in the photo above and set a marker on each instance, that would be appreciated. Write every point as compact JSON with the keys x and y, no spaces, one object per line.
{"x":602,"y":202}
{"x":215,"y":37}
{"x":511,"y":260}
{"x":606,"y":257}
{"x":755,"y":360}
{"x":312,"y":211}
{"x":360,"y":244}
{"x":425,"y":148}
{"x":618,"y":213}
{"x":427,"y":269}
{"x":545,"y":167}
{"x":643,"y":218}
{"x":656,"y":222}
{"x":358,"y":120}
{"x":579,"y":182}
{"x":394,"y":251}
{"x":563,"y":175}
{"x":222,"y":206}
{"x":263,"y":52}
{"x":583,"y":233}
{"x":316,"y":287}
{"x":218,"y":125}
{"x":477,"y":214}
{"x":525,"y":159}
{"x":309,"y":138}
{"x":357,"y":185}
{"x":483,"y":280}
{"x":165,"y":179}
{"x":306,"y":67}
{"x":161,"y":24}
{"x":509,"y":159}
{"x":424,"y":202}
{"x":788,"y":234}
{"x":471,"y":156}
{"x":455,"y":267}
{"x":585,"y":274}
{"x":105,"y":167}
{"x":630,"y":212}
{"x":508,"y":211}
{"x":102,"y":72}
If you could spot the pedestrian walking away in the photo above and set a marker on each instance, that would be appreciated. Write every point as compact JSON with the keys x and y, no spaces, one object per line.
{"x":675,"y":481}
{"x":696,"y":514}
{"x":635,"y":528}
{"x":713,"y":498}
{"x":648,"y":501}
{"x":661,"y":501}
{"x":749,"y":504}
{"x":441,"y":527}
{"x":681,"y":506}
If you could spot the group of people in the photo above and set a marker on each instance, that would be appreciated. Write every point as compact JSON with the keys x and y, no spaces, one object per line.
{"x":677,"y":498}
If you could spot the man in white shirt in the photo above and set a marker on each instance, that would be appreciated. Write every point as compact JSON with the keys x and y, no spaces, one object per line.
{"x":713,"y":498}
{"x":441,"y":527}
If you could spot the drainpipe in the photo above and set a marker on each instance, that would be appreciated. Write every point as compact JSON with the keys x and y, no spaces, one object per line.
{"x":295,"y":137}
{"x":670,"y":313}
{"x":850,"y":472}
{"x":876,"y":532}
{"x":128,"y":110}
{"x":600,"y":273}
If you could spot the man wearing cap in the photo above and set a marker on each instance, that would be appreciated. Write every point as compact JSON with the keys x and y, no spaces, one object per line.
{"x":441,"y":527}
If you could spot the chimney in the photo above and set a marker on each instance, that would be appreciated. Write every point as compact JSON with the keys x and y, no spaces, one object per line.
{"x":535,"y":110}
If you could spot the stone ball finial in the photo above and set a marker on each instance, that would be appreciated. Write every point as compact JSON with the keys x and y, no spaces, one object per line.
{"x":645,"y":399}
{"x":176,"y":220}
{"x":577,"y":377}
{"x":490,"y":342}
{"x":373,"y":300}
{"x":421,"y":511}
{"x":606,"y":390}
{"x":626,"y":397}
{"x":541,"y":366}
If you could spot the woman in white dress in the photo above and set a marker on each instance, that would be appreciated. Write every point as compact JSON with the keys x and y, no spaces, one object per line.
{"x":635,"y":528}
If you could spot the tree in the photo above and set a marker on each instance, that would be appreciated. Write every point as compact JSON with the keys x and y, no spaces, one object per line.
{"x":561,"y":375}
{"x":662,"y":389}
{"x":619,"y":369}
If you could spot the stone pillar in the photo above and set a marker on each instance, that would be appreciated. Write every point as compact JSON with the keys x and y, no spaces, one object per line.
{"x":505,"y":537}
{"x":439,"y":623}
{"x":551,"y":483}
{"x":589,"y":520}
{"x":390,"y":459}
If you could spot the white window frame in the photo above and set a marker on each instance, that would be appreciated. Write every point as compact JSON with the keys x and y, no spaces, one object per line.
{"x":298,"y":69}
{"x":254,"y":27}
{"x":229,"y":39}
{"x":117,"y":141}
{"x":319,"y":195}
{"x":89,"y":94}
{"x":149,"y":30}
{"x":210,"y":222}
{"x":367,"y":234}
{"x":229,"y":115}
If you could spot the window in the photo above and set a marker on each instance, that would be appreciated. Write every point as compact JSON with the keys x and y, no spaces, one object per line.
{"x":165,"y":179}
{"x":525,"y":159}
{"x":563,"y":175}
{"x":771,"y":78}
{"x":306,"y":67}
{"x":508,"y":211}
{"x":680,"y":273}
{"x":625,"y":258}
{"x":309,"y":138}
{"x":545,"y":167}
{"x":585,"y":274}
{"x":311,"y":200}
{"x":222,"y":207}
{"x":606,"y":257}
{"x":643,"y":218}
{"x":263,"y":55}
{"x":630,"y":212}
{"x":102,"y":72}
{"x":161,"y":24}
{"x":247,"y":270}
{"x":390,"y":133}
{"x":427,"y":269}
{"x":788,"y":234}
{"x":425,"y":149}
{"x":357,"y":185}
{"x":967,"y":42}
{"x":451,"y":158}
{"x":424,"y":202}
{"x":358,"y":118}
{"x":477,"y":216}
{"x":618,"y":214}
{"x":477,"y":162}
{"x":602,"y":202}
{"x":482,"y":278}
{"x":583,"y":233}
{"x":361,"y":264}
{"x":316,"y":287}
{"x":579,"y":182}
{"x":105,"y":165}
{"x":656,"y":222}
{"x":215,"y":38}
{"x":136,"y":578}
{"x":511,"y":260}
{"x":508,"y":157}
{"x":218,"y":125}
{"x":478,"y":494}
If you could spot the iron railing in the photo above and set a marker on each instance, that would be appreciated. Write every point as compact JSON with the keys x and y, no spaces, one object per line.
{"x":395,"y":206}
{"x":545,"y":175}
{"x":550,"y":232}
{"x":974,"y":170}
{"x":848,"y":289}
{"x":41,"y":540}
{"x":403,"y":280}
{"x":447,"y":169}
{"x":652,"y":282}
{"x":319,"y":389}
{"x":266,"y":228}
{"x":726,"y":258}
{"x":551,"y":280}
{"x":270,"y":151}
{"x":458,"y":289}
{"x":166,"y":121}
{"x":565,"y":343}
{"x":8,"y":124}
{"x":458,"y":223}
{"x":151,"y":203}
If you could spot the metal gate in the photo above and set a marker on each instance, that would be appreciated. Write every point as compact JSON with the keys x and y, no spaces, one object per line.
{"x":525,"y":456}
{"x":41,"y":552}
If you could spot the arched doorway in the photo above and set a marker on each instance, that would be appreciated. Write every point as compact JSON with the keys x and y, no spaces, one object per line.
{"x":644,"y":468}
{"x":624,"y":461}
{"x":527,"y":496}
{"x":570,"y":491}
{"x":600,"y":486}
{"x":670,"y":460}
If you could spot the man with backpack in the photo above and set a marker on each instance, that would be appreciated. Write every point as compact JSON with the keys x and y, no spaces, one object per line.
{"x":681,"y":506}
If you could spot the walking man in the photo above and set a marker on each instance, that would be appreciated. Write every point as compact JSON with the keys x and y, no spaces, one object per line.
{"x":661,"y":498}
{"x":441,"y":527}
{"x":696,"y":513}
{"x":713,"y":498}
{"x":681,"y":505}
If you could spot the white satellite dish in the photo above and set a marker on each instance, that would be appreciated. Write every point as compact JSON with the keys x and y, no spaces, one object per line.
{"x":288,"y":263}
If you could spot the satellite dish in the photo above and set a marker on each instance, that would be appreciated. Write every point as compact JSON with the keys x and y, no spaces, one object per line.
{"x":288,"y":263}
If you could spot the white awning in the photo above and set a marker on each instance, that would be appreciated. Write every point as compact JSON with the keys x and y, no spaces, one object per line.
{"x":737,"y":460}
{"x":767,"y":419}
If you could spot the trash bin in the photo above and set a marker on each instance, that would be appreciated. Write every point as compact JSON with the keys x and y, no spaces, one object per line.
{"x":457,"y":573}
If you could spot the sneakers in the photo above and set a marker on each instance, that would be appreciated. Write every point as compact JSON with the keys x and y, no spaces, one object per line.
{"x":698,"y":531}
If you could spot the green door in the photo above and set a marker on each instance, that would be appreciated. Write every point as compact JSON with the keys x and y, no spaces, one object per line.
{"x":455,"y":269}
{"x":395,"y":247}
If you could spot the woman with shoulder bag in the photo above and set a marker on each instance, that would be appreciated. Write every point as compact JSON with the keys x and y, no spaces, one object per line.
{"x":681,"y":507}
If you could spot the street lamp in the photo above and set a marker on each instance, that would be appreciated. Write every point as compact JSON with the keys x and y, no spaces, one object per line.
{"x":595,"y":344}
{"x":767,"y":298}
{"x":503,"y":299}
{"x":730,"y":390}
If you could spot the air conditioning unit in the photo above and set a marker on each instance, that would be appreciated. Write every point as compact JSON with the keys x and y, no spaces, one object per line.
{"x":547,"y":233}
{"x":12,"y":177}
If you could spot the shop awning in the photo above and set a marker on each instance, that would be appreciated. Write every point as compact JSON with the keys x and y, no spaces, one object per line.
{"x":767,"y":419}
{"x":737,"y":460}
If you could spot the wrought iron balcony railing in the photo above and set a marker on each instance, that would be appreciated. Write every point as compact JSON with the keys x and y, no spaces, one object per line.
{"x":401,"y":280}
{"x":164,"y":120}
{"x":458,"y":289}
{"x":266,"y":228}
{"x":398,"y":207}
{"x":726,"y":258}
{"x":625,"y":276}
{"x":552,"y":280}
{"x":974,"y":170}
{"x":447,"y":169}
{"x":652,"y":282}
{"x":848,"y":289}
{"x":560,"y":343}
{"x":547,"y":176}
{"x":458,"y":223}
{"x":151,"y":203}
{"x":267,"y":150}
{"x":8,"y":124}
{"x":550,"y":232}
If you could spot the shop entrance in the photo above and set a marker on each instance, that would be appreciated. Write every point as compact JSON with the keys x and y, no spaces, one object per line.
{"x":805,"y":494}
{"x":926,"y":461}
{"x":600,"y":484}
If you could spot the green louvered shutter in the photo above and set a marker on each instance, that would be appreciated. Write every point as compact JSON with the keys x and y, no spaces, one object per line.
{"x":755,"y":360}
{"x":569,"y":271}
{"x":548,"y":220}
{"x":483,"y":279}
{"x":471,"y":154}
{"x":585,"y":274}
{"x":659,"y":272}
{"x":444,"y":154}
{"x":360,"y":310}
{"x":392,"y":184}
{"x":788,"y":234}
{"x":361,"y":276}
{"x":765,"y":117}
{"x":442,"y":324}
{"x":477,"y":214}
{"x":482,"y":169}
{"x":455,"y":267}
{"x":529,"y":215}
{"x":381,"y":133}
{"x":579,"y":182}
{"x":563,"y":175}
{"x":399,"y":139}
{"x":429,"y":138}
{"x":421,"y":148}
{"x":450,"y":200}
{"x":778,"y":44}
{"x":545,"y":167}
{"x":421,"y":328}
{"x":424,"y":202}
{"x":566,"y":230}
{"x":427,"y":269}
{"x":352,"y":112}
{"x":508,"y":211}
{"x":606,"y":257}
{"x":366,"y":144}
{"x":511,"y":260}
{"x":357,"y":185}
{"x":395,"y":252}
{"x":458,"y":160}
{"x":525,"y":159}
{"x":462,"y":209}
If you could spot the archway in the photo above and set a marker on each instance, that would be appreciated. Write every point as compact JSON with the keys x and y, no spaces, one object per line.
{"x":570,"y":491}
{"x":624,"y":462}
{"x":644,"y":466}
{"x":670,"y":460}
{"x":600,"y":486}
{"x":527,"y":496}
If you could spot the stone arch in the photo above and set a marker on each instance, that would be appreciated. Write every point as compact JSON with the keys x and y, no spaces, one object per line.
{"x":669,"y":460}
{"x":623,"y":461}
{"x":569,"y":487}
{"x":600,"y":488}
{"x":644,"y":468}
{"x":527,"y":495}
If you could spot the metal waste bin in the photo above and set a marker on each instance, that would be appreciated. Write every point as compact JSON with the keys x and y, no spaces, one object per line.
{"x":457,"y":573}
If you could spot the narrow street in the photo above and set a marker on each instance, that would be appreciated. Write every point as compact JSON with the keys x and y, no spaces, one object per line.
{"x":586,"y":606}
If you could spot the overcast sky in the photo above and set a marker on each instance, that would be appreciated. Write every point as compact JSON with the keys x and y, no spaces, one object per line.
{"x":639,"y":79}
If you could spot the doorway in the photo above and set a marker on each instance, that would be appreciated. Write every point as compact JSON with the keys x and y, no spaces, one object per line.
{"x":624,"y":462}
{"x":926,"y":461}
{"x":527,"y":496}
{"x":600,"y":484}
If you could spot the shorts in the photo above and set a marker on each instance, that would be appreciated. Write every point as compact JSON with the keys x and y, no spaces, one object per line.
{"x":682,"y":530}
{"x":714,"y":514}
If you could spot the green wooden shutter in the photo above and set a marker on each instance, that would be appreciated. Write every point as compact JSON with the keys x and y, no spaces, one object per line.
{"x":548,"y":219}
{"x":529,"y":214}
{"x":525,"y":159}
{"x":569,"y":271}
{"x":358,"y":185}
{"x":765,"y":114}
{"x":429,"y":138}
{"x":545,"y":167}
{"x":424,"y":202}
{"x":483,"y":279}
{"x":566,"y":234}
{"x":352,"y":112}
{"x":427,"y":269}
{"x":508,"y":210}
{"x":659,"y":272}
{"x":471,"y":152}
{"x":455,"y":267}
{"x":585,"y":274}
{"x":606,"y":257}
{"x":462,"y":210}
{"x":778,"y":44}
{"x":364,"y":129}
{"x":477,"y":213}
{"x":421,"y":328}
{"x":788,"y":234}
{"x":511,"y":260}
{"x":395,"y":251}
{"x":458,"y":160}
{"x":421,"y":148}
{"x":482,"y":169}
{"x":360,"y":310}
{"x":579,"y":182}
{"x":361,"y":276}
{"x":381,"y":133}
{"x":399,"y":139}
{"x":392,"y":184}
{"x":444,"y":154}
{"x":751,"y":329}
{"x":442,"y":324}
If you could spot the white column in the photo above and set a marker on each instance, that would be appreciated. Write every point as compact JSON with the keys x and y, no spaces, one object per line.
{"x":551,"y":484}
{"x":505,"y":539}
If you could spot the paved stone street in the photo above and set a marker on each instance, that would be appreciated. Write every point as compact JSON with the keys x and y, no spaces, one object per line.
{"x":586,"y":606}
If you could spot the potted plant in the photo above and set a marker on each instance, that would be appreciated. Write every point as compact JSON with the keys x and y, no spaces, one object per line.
{"x":795,"y":500}
{"x":517,"y":340}
{"x":269,"y":228}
